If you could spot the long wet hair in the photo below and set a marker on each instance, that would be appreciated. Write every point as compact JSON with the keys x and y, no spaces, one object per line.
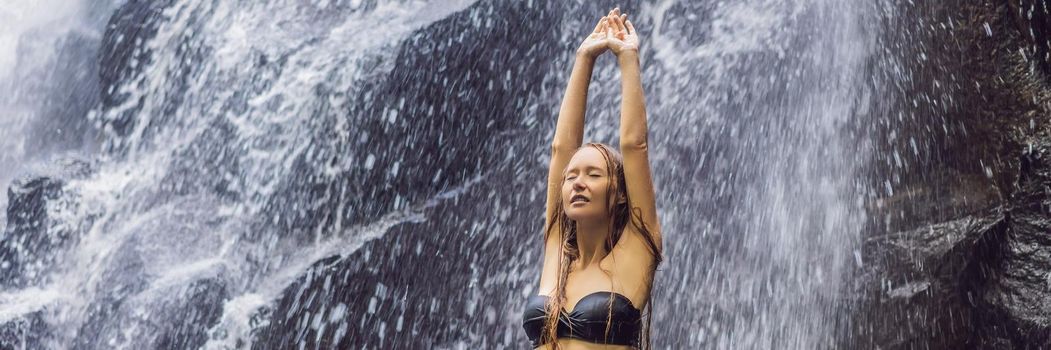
{"x":621,"y":215}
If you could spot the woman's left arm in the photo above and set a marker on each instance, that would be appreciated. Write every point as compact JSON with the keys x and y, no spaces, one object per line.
{"x":633,"y":142}
{"x":633,"y":131}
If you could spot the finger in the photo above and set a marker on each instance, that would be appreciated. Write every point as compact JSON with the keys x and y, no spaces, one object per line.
{"x":618,"y":23}
{"x":623,"y":26}
{"x":631,"y":27}
{"x":609,"y":28}
{"x":598,"y":26}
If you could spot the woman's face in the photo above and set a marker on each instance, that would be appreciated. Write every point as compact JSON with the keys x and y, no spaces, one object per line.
{"x":586,"y":180}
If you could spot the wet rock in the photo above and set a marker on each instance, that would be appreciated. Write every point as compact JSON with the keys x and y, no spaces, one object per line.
{"x":161,"y":280}
{"x":30,"y":243}
{"x":26,"y":332}
{"x":181,"y":319}
{"x":107,"y":313}
{"x":1033,"y":20}
{"x":969,"y":260}
{"x":436,"y":97}
{"x":920,"y":284}
{"x":123,"y":54}
{"x":357,"y":300}
{"x":201,"y":309}
{"x":982,"y":281}
{"x":347,"y":303}
{"x":26,"y":234}
{"x":1014,"y":306}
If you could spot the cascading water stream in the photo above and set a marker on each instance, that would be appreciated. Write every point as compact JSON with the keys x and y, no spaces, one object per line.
{"x":363,"y":173}
{"x":767,"y":113}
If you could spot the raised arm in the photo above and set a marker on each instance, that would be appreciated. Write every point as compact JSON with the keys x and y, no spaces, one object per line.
{"x":633,"y":130}
{"x":569,"y":130}
{"x":569,"y":135}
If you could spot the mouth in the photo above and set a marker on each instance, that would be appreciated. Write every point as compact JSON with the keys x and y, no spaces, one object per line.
{"x":578,"y":199}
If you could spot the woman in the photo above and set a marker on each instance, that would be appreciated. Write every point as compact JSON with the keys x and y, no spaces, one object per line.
{"x":602,"y":241}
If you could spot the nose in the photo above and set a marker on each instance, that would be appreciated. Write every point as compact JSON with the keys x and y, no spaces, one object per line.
{"x":578,"y":184}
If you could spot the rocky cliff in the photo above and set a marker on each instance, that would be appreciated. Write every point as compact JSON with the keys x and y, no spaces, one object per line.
{"x":960,"y":256}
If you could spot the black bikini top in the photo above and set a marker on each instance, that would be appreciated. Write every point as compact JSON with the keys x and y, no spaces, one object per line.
{"x":587,"y":321}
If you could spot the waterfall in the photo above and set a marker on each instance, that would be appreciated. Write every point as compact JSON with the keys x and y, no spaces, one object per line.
{"x":763,"y":113}
{"x":362,"y":173}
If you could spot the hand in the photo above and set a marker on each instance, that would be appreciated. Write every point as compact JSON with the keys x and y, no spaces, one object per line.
{"x":620,"y":33}
{"x":595,"y":43}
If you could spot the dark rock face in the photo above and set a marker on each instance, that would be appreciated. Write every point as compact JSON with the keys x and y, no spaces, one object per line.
{"x":202,"y":307}
{"x":123,"y":54}
{"x":29,"y":245}
{"x":26,"y":233}
{"x":970,"y":263}
{"x":1032,"y":18}
{"x":428,"y":138}
{"x":354,"y":301}
{"x":980,"y":281}
{"x":183,"y":323}
{"x":932,"y":276}
{"x":26,"y":332}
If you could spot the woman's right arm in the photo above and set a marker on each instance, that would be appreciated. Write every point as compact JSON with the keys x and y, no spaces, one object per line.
{"x":569,"y":130}
{"x":569,"y":134}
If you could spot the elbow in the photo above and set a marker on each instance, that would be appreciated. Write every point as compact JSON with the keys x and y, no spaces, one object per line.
{"x":559,"y":148}
{"x":633,"y":143}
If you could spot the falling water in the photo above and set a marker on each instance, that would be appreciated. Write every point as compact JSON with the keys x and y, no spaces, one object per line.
{"x":273,"y":174}
{"x":763,"y":114}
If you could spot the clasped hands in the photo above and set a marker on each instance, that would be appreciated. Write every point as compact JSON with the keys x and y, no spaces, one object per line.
{"x":614,"y":32}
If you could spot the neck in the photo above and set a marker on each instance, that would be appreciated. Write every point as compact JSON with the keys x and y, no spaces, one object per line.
{"x":591,"y":242}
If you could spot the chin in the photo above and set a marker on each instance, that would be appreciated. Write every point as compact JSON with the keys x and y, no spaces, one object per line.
{"x":577,"y":214}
